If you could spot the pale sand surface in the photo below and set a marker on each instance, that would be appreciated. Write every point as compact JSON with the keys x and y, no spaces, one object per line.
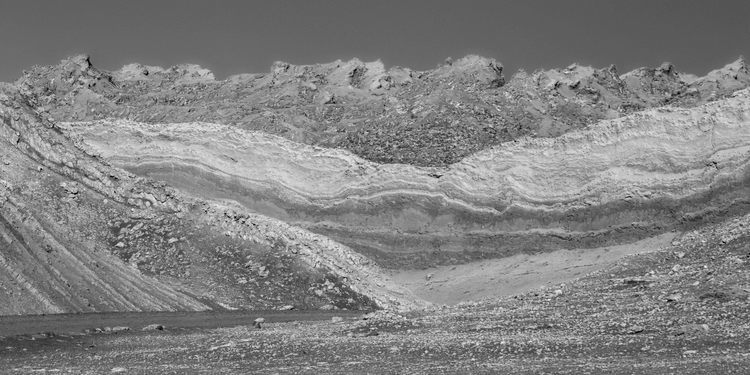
{"x":516,"y":274}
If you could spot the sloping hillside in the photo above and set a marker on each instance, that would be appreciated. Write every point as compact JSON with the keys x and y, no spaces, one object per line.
{"x":79,"y":235}
{"x":615,"y":182}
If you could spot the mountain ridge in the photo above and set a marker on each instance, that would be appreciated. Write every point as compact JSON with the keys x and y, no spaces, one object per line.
{"x":397,"y":115}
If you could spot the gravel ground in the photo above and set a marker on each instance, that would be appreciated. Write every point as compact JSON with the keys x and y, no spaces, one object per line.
{"x":681,"y":310}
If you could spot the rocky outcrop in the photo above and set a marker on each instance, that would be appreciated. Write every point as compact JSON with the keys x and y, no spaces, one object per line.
{"x":301,"y":186}
{"x":387,"y":115}
{"x":615,"y":182}
{"x":45,"y":270}
{"x":79,"y":235}
{"x":733,"y":76}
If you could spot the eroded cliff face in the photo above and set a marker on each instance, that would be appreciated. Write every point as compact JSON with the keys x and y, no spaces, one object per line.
{"x":397,"y":115}
{"x":79,"y":235}
{"x":615,"y":182}
{"x":329,"y":184}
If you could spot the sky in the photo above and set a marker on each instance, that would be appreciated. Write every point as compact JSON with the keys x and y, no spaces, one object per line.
{"x":243,"y":36}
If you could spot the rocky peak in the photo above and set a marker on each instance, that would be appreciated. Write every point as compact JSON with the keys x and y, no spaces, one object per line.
{"x":725,"y":80}
{"x":666,"y":68}
{"x":735,"y":69}
{"x":42,"y":86}
{"x":471,"y":69}
{"x":741,"y":64}
{"x":83,"y":62}
{"x":76,"y":69}
{"x":179,"y":74}
{"x":191,"y":73}
{"x":134,"y":72}
{"x":572,"y":76}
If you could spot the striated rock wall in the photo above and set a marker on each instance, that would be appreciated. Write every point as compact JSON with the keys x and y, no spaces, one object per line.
{"x":77,"y":234}
{"x":44,"y":270}
{"x":284,"y":197}
{"x":617,"y":181}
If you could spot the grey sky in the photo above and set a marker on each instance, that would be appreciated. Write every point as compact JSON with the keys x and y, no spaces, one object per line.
{"x":234,"y":36}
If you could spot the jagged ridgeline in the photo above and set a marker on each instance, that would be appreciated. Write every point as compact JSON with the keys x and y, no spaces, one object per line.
{"x":398,"y":115}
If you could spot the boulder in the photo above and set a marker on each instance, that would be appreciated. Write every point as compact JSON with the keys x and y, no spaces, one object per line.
{"x":153,"y":327}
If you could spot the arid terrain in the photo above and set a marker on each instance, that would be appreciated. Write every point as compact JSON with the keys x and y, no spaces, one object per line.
{"x":454,"y":220}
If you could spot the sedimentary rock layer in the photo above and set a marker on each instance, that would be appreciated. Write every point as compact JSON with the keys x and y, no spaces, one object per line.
{"x":613,"y":182}
{"x":77,"y":234}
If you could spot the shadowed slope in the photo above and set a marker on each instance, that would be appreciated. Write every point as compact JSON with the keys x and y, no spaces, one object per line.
{"x":79,"y":235}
